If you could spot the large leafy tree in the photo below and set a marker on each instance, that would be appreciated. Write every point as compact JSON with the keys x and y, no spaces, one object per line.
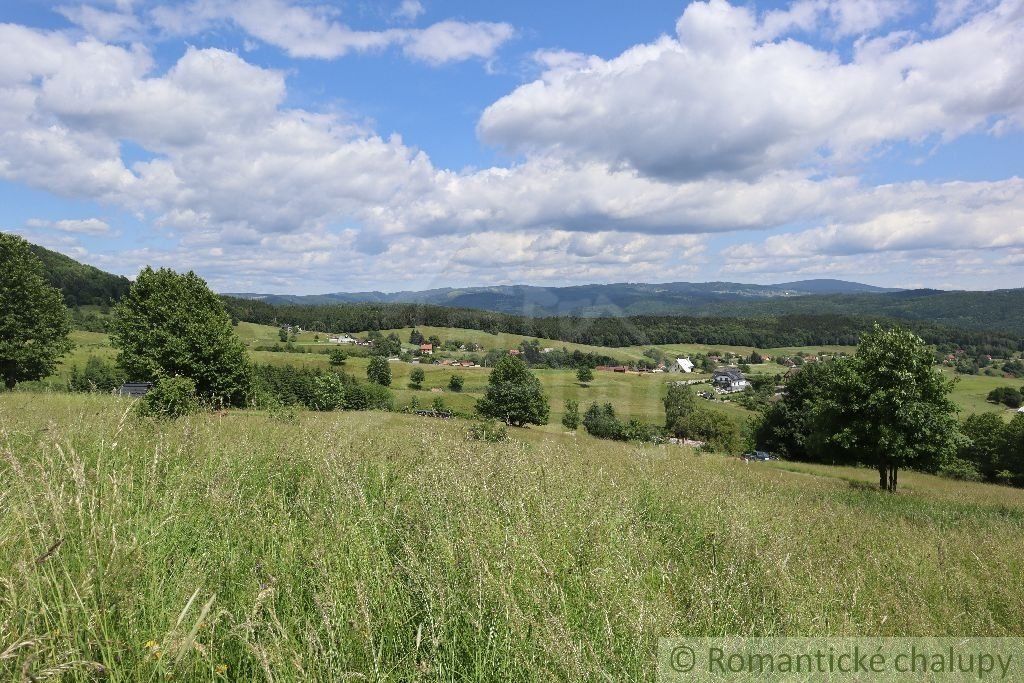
{"x":514,"y":395}
{"x":889,"y":407}
{"x":171,"y":325}
{"x":34,"y":324}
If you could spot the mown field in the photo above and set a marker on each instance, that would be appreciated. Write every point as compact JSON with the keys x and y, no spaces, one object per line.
{"x":367,"y":546}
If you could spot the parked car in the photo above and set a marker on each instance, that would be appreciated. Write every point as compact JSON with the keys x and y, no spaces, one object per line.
{"x":759,"y":455}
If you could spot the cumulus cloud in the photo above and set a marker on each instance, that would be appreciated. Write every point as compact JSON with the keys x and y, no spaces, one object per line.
{"x":632,"y":167}
{"x":314,"y":31}
{"x":716,"y":99}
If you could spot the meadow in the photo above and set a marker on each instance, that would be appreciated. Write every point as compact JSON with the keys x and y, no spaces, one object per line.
{"x":633,"y":395}
{"x":352,"y":546}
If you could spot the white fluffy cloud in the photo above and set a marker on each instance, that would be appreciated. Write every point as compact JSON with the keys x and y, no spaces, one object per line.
{"x":714,"y":99}
{"x":314,"y":32}
{"x":632,"y":166}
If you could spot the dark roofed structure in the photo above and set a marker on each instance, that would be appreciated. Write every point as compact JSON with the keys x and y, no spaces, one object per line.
{"x":135,"y":389}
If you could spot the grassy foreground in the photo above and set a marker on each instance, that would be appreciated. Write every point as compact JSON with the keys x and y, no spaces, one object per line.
{"x":378,"y":546}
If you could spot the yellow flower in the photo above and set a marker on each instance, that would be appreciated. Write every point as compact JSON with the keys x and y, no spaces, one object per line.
{"x":221,"y":668}
{"x":152,"y":645}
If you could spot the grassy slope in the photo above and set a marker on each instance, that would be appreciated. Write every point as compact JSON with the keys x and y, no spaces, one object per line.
{"x":390,"y":547}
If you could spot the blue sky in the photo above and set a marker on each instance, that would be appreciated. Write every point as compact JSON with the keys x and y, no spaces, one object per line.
{"x":310,"y":146}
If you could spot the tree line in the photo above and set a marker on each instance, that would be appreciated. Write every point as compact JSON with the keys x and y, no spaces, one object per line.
{"x":759,"y":332}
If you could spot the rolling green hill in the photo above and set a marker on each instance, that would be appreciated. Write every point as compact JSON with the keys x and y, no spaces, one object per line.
{"x":81,"y":285}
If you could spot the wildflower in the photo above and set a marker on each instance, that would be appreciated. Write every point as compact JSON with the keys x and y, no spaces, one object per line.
{"x":221,"y":668}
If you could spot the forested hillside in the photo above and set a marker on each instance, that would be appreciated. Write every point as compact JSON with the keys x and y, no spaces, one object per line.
{"x":760,"y":332}
{"x":80,"y":284}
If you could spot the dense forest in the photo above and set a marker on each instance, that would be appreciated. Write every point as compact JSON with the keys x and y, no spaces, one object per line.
{"x":80,"y":284}
{"x":761,"y":332}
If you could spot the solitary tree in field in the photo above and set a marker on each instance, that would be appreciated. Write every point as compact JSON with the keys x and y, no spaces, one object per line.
{"x":514,"y":395}
{"x":585,"y":375}
{"x":679,"y":402}
{"x":456,"y":383}
{"x":888,"y":407}
{"x":571,"y":418}
{"x":417,"y":377}
{"x":34,"y":324}
{"x":172,"y":325}
{"x":337,"y":358}
{"x":379,"y":371}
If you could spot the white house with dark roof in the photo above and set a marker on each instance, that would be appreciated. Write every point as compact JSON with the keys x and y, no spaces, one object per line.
{"x":684,"y":364}
{"x":729,"y":380}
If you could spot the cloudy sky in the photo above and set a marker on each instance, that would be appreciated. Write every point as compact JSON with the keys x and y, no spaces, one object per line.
{"x":311,"y":146}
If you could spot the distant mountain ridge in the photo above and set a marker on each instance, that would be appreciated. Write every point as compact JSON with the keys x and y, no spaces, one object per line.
{"x":585,"y":300}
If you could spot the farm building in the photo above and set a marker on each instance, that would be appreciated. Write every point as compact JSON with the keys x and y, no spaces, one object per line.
{"x":684,"y":364}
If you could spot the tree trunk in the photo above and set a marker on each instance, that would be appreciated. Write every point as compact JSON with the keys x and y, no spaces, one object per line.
{"x":10,"y":382}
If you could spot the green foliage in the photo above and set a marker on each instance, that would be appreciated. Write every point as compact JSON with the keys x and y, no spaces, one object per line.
{"x":679,"y":402}
{"x":416,"y":378}
{"x":387,"y":347}
{"x":600,"y":421}
{"x":571,"y":414}
{"x":337,"y":357}
{"x":368,"y":396}
{"x":34,"y":324}
{"x":637,"y":430}
{"x":328,"y":392}
{"x":514,"y":395}
{"x":1007,"y":396}
{"x":99,"y":375}
{"x":80,"y":285}
{"x":456,"y":382}
{"x":490,"y":431}
{"x":887,"y":408}
{"x":172,"y":325}
{"x":1014,"y":368}
{"x":282,"y":335}
{"x":416,"y":337}
{"x":379,"y":371}
{"x":585,"y":375}
{"x":170,"y":398}
{"x":710,"y":426}
{"x":768,"y":329}
{"x":438,"y":405}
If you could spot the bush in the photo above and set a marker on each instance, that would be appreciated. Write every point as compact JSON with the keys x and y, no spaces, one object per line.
{"x":416,"y":378}
{"x":958,"y":468}
{"x":328,"y":392}
{"x":456,"y":383}
{"x":98,"y":375}
{"x":571,"y":418}
{"x":491,"y":431}
{"x":514,"y":395}
{"x":600,"y":421}
{"x":337,"y":357}
{"x":711,"y":427}
{"x":171,"y":398}
{"x":1007,"y":396}
{"x":368,"y":397}
{"x":635,"y":430}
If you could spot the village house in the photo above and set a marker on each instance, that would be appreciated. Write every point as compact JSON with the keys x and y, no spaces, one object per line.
{"x":684,"y":364}
{"x":342,"y":339}
{"x":426,"y":349}
{"x":729,"y":380}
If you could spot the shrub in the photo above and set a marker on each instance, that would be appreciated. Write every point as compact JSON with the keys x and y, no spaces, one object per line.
{"x":1007,"y":396}
{"x":456,"y":383}
{"x":337,"y":357}
{"x":328,"y":392}
{"x":171,"y":398}
{"x":98,"y":375}
{"x":360,"y":396}
{"x":600,"y":421}
{"x":416,"y":378}
{"x":712,"y":427}
{"x":571,"y":418}
{"x":491,"y":431}
{"x":379,"y":371}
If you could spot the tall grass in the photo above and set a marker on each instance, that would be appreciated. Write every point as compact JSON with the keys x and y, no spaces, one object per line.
{"x":371,"y":546}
